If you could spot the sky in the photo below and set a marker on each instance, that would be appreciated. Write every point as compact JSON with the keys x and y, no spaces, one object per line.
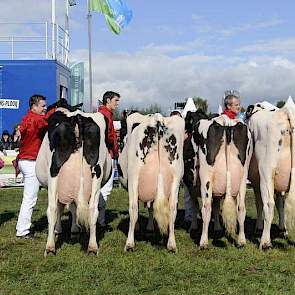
{"x":172,"y":50}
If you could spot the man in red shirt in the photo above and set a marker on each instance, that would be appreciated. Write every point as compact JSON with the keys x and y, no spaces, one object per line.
{"x":232,"y":106}
{"x":110,"y":103}
{"x":32,"y":128}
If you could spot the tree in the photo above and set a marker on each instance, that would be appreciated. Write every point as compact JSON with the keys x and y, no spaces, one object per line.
{"x":201,"y":103}
{"x":152,"y":109}
{"x":280,"y":103}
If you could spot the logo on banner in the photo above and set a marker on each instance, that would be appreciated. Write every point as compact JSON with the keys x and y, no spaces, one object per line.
{"x":9,"y":103}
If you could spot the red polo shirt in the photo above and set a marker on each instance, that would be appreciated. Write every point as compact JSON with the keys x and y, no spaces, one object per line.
{"x":112,"y":141}
{"x":32,"y":128}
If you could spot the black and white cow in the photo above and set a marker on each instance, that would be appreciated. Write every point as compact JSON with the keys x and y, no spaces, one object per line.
{"x":151,"y":165}
{"x":191,"y":177}
{"x":73,"y":161}
{"x":224,"y":149}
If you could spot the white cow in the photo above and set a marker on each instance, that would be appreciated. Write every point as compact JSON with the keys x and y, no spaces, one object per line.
{"x":72,"y":162}
{"x":152,"y":163}
{"x":224,"y":150}
{"x":273,"y":164}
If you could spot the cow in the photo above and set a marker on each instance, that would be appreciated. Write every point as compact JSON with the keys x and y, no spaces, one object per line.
{"x":151,"y":165}
{"x":191,"y":171}
{"x":224,"y":149}
{"x":73,"y":161}
{"x":272,"y":168}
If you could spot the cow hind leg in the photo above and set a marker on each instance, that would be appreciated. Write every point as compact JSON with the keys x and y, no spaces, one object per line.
{"x":268,"y":206}
{"x":75,"y":228}
{"x":93,"y":215}
{"x":133,"y":213}
{"x":206,"y":213}
{"x":58,"y":227}
{"x":51,"y":216}
{"x":195,"y":209}
{"x":259,"y":208}
{"x":171,"y":245}
{"x":215,"y":212}
{"x":241,"y":213}
{"x":280,"y":204}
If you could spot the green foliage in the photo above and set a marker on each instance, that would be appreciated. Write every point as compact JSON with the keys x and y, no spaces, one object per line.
{"x":116,"y":115}
{"x":151,"y":109}
{"x":201,"y":103}
{"x":151,"y":269}
{"x":280,"y":103}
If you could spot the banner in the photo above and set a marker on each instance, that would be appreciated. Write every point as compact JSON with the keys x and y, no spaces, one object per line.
{"x":77,"y":83}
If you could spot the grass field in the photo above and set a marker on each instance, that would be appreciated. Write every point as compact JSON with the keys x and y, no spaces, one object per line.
{"x":223,"y":269}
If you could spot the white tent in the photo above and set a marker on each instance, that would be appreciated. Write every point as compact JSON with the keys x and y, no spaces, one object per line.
{"x":189,"y":106}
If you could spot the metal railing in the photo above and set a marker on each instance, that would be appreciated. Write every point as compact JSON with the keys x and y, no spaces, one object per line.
{"x":15,"y":43}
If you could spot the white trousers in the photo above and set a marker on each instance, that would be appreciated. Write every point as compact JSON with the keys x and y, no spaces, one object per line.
{"x":105,"y":191}
{"x":30,"y":195}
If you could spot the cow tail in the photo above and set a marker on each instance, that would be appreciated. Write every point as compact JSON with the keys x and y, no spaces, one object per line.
{"x":290,"y":199}
{"x":161,"y":203}
{"x":229,"y":212}
{"x":82,"y":204}
{"x":161,"y":207}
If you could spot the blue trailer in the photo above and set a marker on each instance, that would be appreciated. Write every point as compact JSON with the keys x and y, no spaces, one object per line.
{"x":20,"y":79}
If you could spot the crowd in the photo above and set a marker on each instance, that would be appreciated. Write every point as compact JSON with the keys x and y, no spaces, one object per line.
{"x":10,"y":141}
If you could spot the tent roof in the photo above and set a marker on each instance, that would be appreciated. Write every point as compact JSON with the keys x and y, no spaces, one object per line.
{"x":189,"y":106}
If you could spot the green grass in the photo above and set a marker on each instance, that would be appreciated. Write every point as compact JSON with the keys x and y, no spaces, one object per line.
{"x":223,"y":269}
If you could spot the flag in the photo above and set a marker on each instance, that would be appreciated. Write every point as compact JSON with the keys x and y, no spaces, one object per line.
{"x":116,"y":13}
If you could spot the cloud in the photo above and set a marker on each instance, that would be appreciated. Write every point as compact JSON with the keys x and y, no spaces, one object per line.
{"x":282,"y":46}
{"x":143,"y":79}
{"x":202,"y":26}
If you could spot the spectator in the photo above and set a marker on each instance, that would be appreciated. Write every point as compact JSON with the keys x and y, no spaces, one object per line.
{"x":110,"y":103}
{"x":15,"y":138}
{"x":5,"y":143}
{"x":32,"y":129}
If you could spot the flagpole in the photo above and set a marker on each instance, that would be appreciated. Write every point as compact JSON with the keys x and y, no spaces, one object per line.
{"x":89,"y":16}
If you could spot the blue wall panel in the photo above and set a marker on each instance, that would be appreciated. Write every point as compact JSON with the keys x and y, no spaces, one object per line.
{"x":23,"y":78}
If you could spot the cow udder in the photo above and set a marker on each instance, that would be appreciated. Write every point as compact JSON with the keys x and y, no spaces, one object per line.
{"x":219,"y":172}
{"x":148,"y":177}
{"x":68,"y":183}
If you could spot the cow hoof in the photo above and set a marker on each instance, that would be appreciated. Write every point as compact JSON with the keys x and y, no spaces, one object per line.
{"x":265,"y":246}
{"x":129,"y":248}
{"x":49,"y":252}
{"x":91,"y":252}
{"x":204,"y":247}
{"x":172,"y":249}
{"x":241,"y":244}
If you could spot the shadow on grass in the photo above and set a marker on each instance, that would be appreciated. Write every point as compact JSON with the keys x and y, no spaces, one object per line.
{"x":66,"y":237}
{"x":6,"y":216}
{"x":155,"y":238}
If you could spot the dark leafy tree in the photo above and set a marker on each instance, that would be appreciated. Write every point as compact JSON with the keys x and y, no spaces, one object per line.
{"x":201,"y":103}
{"x":280,"y":103}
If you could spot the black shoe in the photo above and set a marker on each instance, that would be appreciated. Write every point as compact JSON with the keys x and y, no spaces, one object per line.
{"x":28,"y":236}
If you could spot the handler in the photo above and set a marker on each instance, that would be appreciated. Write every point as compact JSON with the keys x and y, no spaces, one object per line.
{"x":32,"y":128}
{"x":110,"y":103}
